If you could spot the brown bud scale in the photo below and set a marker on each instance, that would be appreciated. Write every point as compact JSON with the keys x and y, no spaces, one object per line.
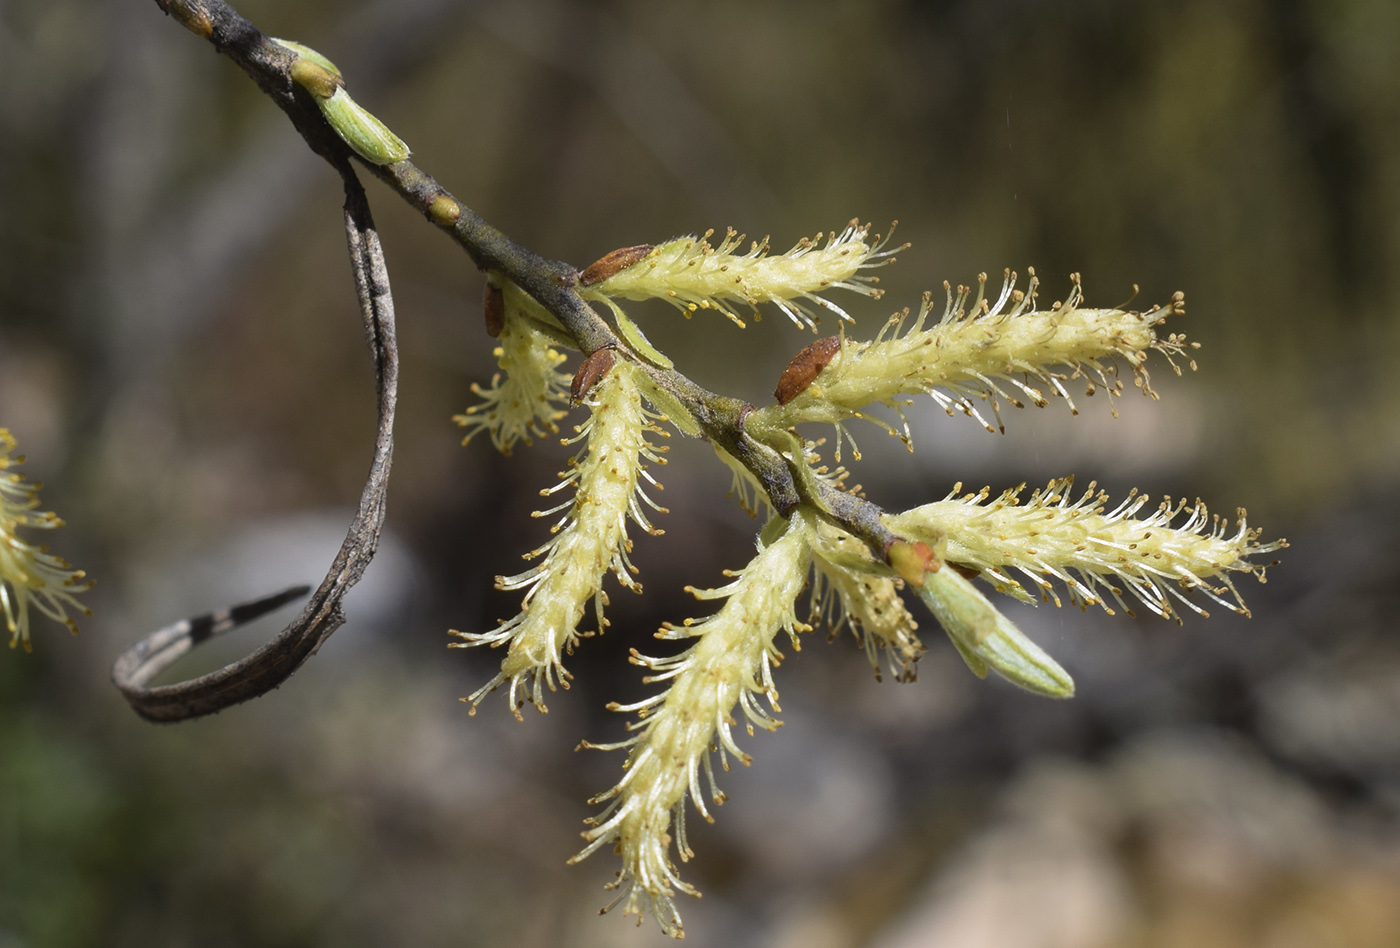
{"x":191,"y":17}
{"x":493,"y":304}
{"x":613,"y":263}
{"x":805,"y":367}
{"x":590,"y":372}
{"x":912,"y":560}
{"x":315,"y":78}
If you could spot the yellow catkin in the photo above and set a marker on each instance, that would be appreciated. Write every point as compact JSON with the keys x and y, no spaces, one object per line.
{"x":30,"y":575}
{"x":849,"y":589}
{"x":524,"y":399}
{"x":590,"y":541}
{"x":1095,"y":552}
{"x":730,"y":664}
{"x":1003,"y":350}
{"x":692,"y":275}
{"x":854,"y":592}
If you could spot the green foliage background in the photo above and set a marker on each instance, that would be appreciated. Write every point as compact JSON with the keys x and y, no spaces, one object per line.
{"x":180,"y":357}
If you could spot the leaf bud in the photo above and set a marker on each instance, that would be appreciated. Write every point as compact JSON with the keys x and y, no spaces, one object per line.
{"x":306,"y":52}
{"x":988,"y":640}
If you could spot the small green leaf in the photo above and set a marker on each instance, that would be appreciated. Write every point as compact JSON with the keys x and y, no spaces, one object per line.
{"x":669,"y":405}
{"x":987,"y":639}
{"x":639,"y":343}
{"x":369,"y":137}
{"x":978,"y":667}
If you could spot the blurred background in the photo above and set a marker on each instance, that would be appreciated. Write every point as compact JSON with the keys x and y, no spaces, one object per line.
{"x":181,"y":358}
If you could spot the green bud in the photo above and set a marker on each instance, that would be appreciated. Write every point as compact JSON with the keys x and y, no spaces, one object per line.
{"x":986,"y":639}
{"x":369,"y":137}
{"x":365,"y":134}
{"x":445,"y":212}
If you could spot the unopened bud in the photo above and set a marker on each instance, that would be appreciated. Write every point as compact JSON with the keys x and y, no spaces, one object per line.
{"x":315,"y":78}
{"x":370,"y":138}
{"x":612,"y":263}
{"x":444,"y":211}
{"x":987,"y":639}
{"x":590,"y":372}
{"x":493,"y":304}
{"x":306,"y":52}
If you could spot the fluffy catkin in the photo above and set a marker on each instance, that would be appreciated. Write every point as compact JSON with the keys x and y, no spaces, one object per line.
{"x":729,"y":664}
{"x":524,"y":399}
{"x":1005,"y":350}
{"x":1092,"y":550}
{"x":852,"y":591}
{"x":590,"y":540}
{"x":29,"y":575}
{"x":692,"y":275}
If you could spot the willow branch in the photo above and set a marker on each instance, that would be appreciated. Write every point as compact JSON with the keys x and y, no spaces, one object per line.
{"x":551,"y":282}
